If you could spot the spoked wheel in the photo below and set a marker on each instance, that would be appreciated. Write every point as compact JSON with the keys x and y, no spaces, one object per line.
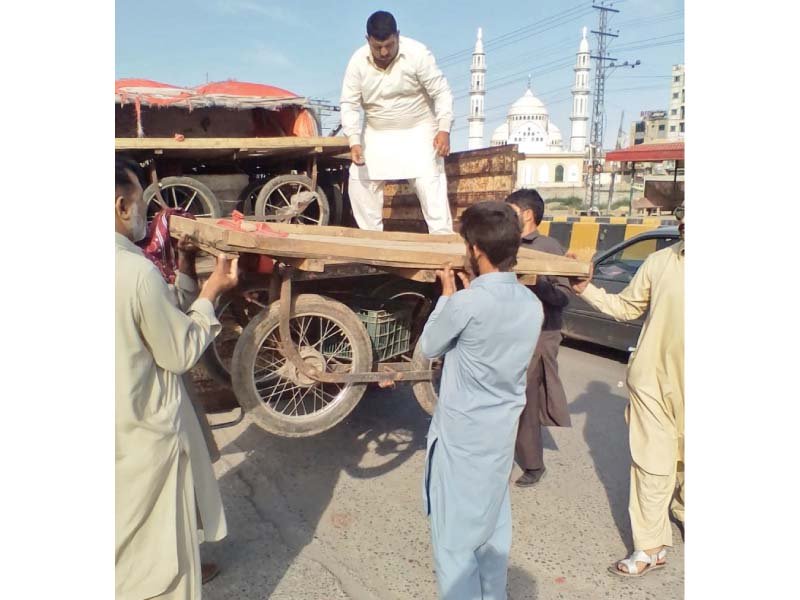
{"x":330,"y":337}
{"x":249,"y":195}
{"x":181,"y":192}
{"x":235,"y":310}
{"x":291,"y":198}
{"x":427,"y":392}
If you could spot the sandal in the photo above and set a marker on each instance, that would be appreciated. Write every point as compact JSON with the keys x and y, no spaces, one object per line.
{"x":651,"y":563}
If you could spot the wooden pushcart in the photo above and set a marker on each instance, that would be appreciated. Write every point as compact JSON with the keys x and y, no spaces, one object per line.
{"x":329,"y":319}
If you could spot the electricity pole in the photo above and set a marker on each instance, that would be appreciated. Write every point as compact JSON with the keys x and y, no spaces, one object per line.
{"x":598,"y":106}
{"x":602,"y":72}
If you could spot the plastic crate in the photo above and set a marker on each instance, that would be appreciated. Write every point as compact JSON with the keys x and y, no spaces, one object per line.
{"x":388,"y":324}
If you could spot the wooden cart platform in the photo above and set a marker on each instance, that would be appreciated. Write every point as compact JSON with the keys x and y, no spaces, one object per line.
{"x":312,"y":248}
{"x":284,"y":147}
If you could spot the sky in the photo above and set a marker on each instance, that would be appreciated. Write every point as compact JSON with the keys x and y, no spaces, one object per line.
{"x":304,"y":46}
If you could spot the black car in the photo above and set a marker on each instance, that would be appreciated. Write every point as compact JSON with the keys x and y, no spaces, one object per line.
{"x":613,"y":270}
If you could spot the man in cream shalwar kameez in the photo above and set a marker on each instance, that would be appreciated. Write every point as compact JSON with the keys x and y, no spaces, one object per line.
{"x":655,"y":411}
{"x":164,"y":479}
{"x":408,"y":111}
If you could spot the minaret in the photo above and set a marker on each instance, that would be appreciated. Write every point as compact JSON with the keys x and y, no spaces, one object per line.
{"x":580,"y":99}
{"x":477,"y":90}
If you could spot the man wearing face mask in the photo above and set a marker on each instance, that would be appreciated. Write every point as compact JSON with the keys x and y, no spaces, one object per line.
{"x":158,"y":499}
{"x":487,"y":333}
{"x":408,"y":111}
{"x":655,"y":409}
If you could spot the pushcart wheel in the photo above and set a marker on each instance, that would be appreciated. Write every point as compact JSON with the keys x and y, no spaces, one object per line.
{"x":281,"y":399}
{"x":247,"y":197}
{"x":181,"y":192}
{"x":276,"y":198}
{"x":427,"y":392}
{"x":417,"y":294}
{"x":235,"y":310}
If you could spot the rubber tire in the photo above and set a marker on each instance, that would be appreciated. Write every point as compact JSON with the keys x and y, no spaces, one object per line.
{"x":396,"y":287}
{"x":424,"y":391}
{"x":334,"y":195}
{"x":275,"y":182}
{"x":242,"y":205}
{"x":250,"y":342}
{"x":210,"y":361}
{"x":206,"y":195}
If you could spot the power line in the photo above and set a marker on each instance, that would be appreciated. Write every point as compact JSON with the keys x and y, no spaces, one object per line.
{"x":532,"y":29}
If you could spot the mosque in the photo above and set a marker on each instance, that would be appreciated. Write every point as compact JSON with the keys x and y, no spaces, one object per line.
{"x":550,"y":164}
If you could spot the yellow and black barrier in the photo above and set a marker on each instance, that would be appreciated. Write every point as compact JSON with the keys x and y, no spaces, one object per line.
{"x":586,"y":236}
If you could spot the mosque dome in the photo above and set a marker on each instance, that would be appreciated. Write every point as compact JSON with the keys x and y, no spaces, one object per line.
{"x":530,"y":136}
{"x":500,"y":135}
{"x":527,"y":106}
{"x":554,"y":133}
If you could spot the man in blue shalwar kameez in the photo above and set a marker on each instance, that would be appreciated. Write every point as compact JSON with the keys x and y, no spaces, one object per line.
{"x":487,"y":333}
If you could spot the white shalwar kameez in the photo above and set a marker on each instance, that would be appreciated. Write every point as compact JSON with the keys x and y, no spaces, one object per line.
{"x":405,"y":106}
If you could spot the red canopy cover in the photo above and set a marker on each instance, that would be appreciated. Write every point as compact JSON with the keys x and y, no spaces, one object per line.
{"x":223,"y":94}
{"x":647,"y":153}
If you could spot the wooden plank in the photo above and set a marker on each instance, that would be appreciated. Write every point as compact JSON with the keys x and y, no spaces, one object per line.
{"x":336,"y":143}
{"x":350,"y":232}
{"x":455,"y":186}
{"x":433,"y":253}
{"x":463,"y":199}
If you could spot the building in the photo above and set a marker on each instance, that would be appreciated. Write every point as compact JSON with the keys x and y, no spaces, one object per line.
{"x":477,"y":91}
{"x":677,"y":101}
{"x":553,"y":168}
{"x":651,"y":128}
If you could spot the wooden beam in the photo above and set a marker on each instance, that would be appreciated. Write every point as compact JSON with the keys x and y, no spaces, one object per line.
{"x":433,"y":253}
{"x":273,"y":143}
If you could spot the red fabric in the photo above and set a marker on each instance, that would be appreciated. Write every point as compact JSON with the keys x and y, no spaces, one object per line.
{"x":253,"y":263}
{"x":243,"y":88}
{"x":236,"y":220}
{"x":159,"y":247}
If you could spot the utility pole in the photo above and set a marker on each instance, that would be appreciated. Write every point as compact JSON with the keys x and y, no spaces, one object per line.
{"x":598,"y":106}
{"x":602,"y":72}
{"x":614,"y":173}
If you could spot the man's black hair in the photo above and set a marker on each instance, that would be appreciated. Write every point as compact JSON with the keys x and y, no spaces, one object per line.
{"x":528,"y":200}
{"x":123,"y":164}
{"x":494,"y":228}
{"x":381,"y":25}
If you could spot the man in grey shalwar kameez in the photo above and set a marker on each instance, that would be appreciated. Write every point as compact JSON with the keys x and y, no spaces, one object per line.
{"x":487,"y":333}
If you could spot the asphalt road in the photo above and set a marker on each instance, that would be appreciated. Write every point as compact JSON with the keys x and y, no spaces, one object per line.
{"x":340,"y":515}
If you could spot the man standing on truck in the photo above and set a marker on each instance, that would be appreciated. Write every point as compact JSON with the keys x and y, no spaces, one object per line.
{"x":408,"y":111}
{"x":487,"y":333}
{"x":163,"y":475}
{"x":655,"y":409}
{"x":546,"y":401}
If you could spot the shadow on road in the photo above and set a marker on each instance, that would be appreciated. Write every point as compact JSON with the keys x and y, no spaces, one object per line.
{"x":521,"y":584}
{"x":289,"y":483}
{"x":606,"y":434}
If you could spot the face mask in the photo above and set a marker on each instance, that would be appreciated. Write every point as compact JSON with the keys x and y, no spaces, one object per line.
{"x":139,"y":224}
